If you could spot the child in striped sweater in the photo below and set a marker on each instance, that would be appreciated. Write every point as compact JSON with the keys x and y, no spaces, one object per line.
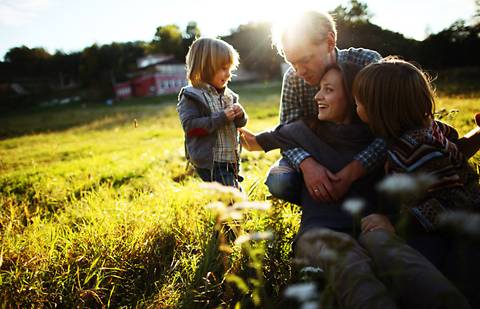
{"x":397,"y":101}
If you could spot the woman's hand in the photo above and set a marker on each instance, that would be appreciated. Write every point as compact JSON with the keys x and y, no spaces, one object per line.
{"x":248,"y":140}
{"x":376,"y":221}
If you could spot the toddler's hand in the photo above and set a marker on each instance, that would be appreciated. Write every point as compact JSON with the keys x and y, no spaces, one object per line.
{"x":230,"y":113}
{"x":238,"y":110}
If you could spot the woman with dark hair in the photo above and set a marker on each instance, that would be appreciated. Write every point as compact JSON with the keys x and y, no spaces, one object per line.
{"x":333,"y":139}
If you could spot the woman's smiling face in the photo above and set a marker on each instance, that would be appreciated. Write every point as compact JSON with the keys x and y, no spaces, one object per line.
{"x":331,"y":99}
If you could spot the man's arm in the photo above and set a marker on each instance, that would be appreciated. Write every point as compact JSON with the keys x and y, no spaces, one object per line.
{"x":373,"y":156}
{"x":469,"y":144}
{"x":290,"y":99}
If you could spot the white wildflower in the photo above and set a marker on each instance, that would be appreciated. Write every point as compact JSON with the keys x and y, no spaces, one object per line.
{"x":225,"y":191}
{"x":302,"y":292}
{"x":252,"y":205}
{"x":219,"y":206}
{"x":311,"y":270}
{"x":266,"y":235}
{"x":254,"y":236}
{"x":224,"y":212}
{"x":405,"y":186}
{"x":230,"y":214}
{"x":310,"y":305}
{"x":398,"y":183}
{"x":354,"y":206}
{"x":462,"y":221}
{"x":242,"y":238}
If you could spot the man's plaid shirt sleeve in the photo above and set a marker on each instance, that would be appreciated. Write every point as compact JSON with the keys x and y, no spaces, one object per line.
{"x":291,"y":110}
{"x":291,"y":104}
{"x":373,"y":155}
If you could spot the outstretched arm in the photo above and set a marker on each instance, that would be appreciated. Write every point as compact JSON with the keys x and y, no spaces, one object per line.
{"x":469,"y":144}
{"x":249,"y":140}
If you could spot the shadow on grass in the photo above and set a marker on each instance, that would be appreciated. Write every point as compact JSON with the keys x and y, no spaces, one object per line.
{"x":206,"y":288}
{"x":148,"y":271}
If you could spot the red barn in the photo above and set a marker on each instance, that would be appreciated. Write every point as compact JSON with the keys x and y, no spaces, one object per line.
{"x":123,"y":90}
{"x":156,"y":74}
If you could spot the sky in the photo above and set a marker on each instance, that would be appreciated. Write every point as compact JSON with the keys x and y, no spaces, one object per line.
{"x":68,"y":25}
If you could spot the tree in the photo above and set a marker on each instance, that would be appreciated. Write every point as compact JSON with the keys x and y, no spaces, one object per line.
{"x":476,"y":16}
{"x":30,"y":61}
{"x":354,"y":12}
{"x":253,"y":43}
{"x":168,"y":39}
{"x":191,"y":33}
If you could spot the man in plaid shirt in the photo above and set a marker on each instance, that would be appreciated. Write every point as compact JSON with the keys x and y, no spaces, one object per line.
{"x":309,"y":45}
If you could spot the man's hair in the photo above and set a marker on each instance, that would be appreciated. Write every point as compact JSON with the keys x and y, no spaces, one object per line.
{"x":310,"y":26}
{"x":397,"y":97}
{"x":206,"y":56}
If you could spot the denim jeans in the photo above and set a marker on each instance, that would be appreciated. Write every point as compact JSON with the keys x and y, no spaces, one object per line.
{"x":284,"y":182}
{"x":222,"y":172}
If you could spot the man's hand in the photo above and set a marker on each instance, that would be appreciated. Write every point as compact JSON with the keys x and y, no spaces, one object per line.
{"x":376,"y":221}
{"x":318,"y":180}
{"x":249,"y":140}
{"x":346,"y":176}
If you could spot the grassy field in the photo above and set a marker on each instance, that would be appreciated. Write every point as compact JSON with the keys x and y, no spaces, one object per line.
{"x":98,"y":209}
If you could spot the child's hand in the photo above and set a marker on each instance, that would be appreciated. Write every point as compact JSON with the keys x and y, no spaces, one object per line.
{"x":248,"y":140}
{"x":238,"y":110}
{"x":376,"y":221}
{"x":230,"y":113}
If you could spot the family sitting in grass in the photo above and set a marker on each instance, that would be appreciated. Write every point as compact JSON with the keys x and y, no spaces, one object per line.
{"x":348,"y":119}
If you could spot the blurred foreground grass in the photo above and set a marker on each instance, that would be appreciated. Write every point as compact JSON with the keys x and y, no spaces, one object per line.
{"x":99,"y":210}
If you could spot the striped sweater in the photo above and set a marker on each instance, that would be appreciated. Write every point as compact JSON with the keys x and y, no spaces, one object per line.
{"x":432,"y":151}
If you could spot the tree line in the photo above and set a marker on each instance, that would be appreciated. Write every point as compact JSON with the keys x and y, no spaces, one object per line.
{"x":93,"y":70}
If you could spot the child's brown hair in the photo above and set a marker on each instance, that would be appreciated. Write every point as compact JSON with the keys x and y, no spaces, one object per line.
{"x":206,"y":56}
{"x":396,"y":95}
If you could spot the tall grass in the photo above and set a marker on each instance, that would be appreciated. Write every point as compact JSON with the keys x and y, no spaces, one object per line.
{"x":98,"y":209}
